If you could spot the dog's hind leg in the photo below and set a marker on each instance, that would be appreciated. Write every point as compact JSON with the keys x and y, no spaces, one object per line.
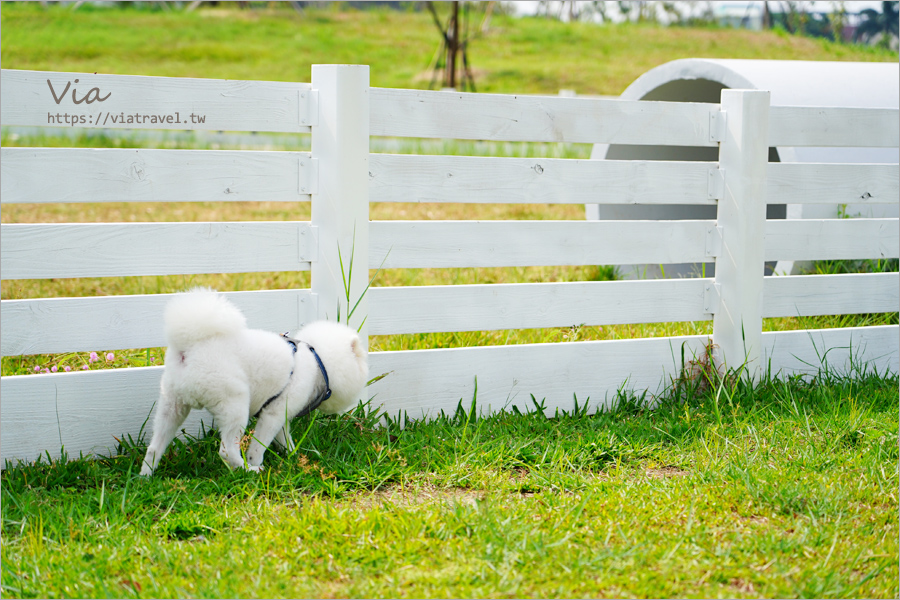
{"x":170,"y":414}
{"x":269,"y":426}
{"x":231,"y":418}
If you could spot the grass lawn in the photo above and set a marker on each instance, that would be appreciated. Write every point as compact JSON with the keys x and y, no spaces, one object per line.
{"x":788,"y":489}
{"x":785,"y":490}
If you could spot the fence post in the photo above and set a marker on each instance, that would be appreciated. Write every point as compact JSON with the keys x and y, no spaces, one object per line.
{"x":340,"y":203}
{"x":740,"y":265}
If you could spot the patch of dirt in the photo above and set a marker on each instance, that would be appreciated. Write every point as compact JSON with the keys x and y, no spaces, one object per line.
{"x":422,"y":494}
{"x":742,"y":585}
{"x":666,"y":472}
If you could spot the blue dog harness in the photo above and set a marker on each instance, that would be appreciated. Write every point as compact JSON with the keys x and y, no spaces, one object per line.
{"x":320,"y":399}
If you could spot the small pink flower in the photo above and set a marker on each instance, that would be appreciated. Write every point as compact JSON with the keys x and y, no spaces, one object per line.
{"x":45,"y":370}
{"x":94,"y":358}
{"x":67,"y":368}
{"x":85,"y":368}
{"x":152,"y":359}
{"x":54,"y":369}
{"x":110,"y":357}
{"x":37,"y":369}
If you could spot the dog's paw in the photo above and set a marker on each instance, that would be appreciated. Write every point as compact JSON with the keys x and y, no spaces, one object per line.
{"x":255,"y":468}
{"x":146,"y":471}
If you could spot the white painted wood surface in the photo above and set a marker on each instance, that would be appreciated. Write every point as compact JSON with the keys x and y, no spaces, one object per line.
{"x":50,"y":250}
{"x":825,"y":183}
{"x":472,"y":179}
{"x":460,"y":115}
{"x":422,"y":309}
{"x":832,"y":239}
{"x":743,"y":156}
{"x":834,"y":126}
{"x":808,"y":295}
{"x":451,"y":244}
{"x":844,"y":350}
{"x":224,"y":105}
{"x":38,"y":175}
{"x":340,"y":208}
{"x":59,"y":325}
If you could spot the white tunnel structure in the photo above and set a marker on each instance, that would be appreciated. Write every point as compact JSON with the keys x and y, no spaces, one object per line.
{"x":791,"y":83}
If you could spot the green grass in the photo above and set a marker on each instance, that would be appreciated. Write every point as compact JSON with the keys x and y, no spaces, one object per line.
{"x":788,"y":489}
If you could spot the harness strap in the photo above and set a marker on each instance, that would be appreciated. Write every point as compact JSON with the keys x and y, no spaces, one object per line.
{"x":315,"y":403}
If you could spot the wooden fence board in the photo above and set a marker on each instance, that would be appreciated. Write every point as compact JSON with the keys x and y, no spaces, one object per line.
{"x":834,"y":126}
{"x":449,"y":244}
{"x":44,"y":251}
{"x":809,"y":295}
{"x":832,"y":239}
{"x":826,"y":183}
{"x":534,"y":305}
{"x":57,"y":325}
{"x":223,"y":105}
{"x":138,"y":175}
{"x":477,"y":179}
{"x":460,"y":115}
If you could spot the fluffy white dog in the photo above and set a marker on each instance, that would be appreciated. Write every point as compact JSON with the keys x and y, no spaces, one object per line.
{"x":215,"y":362}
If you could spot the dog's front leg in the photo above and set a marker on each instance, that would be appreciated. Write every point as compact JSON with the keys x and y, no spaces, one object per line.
{"x":269,"y":425}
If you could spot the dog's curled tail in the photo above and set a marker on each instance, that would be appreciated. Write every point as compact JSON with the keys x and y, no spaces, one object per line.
{"x":200,"y":314}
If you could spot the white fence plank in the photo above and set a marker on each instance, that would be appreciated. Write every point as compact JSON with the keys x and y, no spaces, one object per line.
{"x":459,"y":115}
{"x":809,"y":295}
{"x":844,"y":351}
{"x":832,"y":239}
{"x":44,"y":251}
{"x":136,"y":102}
{"x":450,"y":244}
{"x":471,"y":179}
{"x":137,"y":175}
{"x":823,"y":183}
{"x":84,"y":412}
{"x":834,"y":126}
{"x":57,"y":325}
{"x":422,"y":383}
{"x":532,"y":305}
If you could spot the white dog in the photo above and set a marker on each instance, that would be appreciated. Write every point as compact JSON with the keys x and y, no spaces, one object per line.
{"x":215,"y":362}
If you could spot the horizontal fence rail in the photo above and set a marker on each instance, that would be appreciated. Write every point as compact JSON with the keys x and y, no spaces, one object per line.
{"x":535,"y":305}
{"x":451,"y":244}
{"x":811,"y":295}
{"x":56,"y":325}
{"x":834,"y":126}
{"x":507,"y":118}
{"x":829,"y":183}
{"x":44,"y":251}
{"x":40,"y":175}
{"x":137,"y":102}
{"x":422,"y":178}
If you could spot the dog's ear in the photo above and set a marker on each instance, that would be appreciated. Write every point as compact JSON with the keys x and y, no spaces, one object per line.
{"x":356,"y":347}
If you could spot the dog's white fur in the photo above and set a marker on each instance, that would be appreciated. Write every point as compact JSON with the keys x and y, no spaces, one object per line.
{"x":215,"y":362}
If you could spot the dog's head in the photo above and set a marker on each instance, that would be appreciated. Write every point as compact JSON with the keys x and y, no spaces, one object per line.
{"x":345,"y":359}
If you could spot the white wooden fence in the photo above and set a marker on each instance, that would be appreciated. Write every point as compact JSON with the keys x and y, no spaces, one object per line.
{"x":83,"y":411}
